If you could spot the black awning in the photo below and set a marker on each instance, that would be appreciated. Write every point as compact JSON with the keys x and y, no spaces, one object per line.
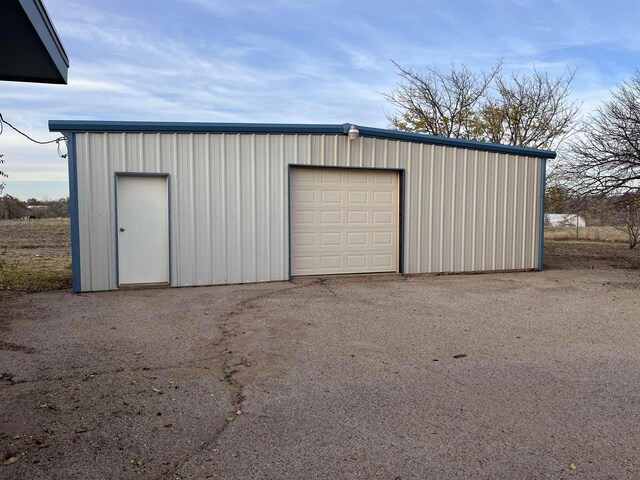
{"x":30,"y":50}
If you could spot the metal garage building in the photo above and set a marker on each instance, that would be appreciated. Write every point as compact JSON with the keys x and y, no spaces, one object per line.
{"x":208,"y":203}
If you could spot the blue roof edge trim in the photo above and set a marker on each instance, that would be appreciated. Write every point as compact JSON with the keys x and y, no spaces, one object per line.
{"x":198,"y":127}
{"x":453,"y":142}
{"x":195,"y":127}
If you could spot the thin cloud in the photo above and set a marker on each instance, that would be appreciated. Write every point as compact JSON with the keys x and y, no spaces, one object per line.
{"x":293,"y":61}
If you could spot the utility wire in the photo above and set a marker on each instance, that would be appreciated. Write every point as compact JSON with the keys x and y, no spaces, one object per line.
{"x":57,"y":140}
{"x":2,"y":120}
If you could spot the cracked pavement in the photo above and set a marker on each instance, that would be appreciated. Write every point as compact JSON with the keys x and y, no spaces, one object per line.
{"x":344,"y":377}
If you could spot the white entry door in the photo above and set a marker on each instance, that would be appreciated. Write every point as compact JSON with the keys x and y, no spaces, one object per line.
{"x":344,"y":221}
{"x":143,"y":229}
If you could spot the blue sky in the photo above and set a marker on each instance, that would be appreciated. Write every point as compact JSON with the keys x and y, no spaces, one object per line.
{"x":292,"y":61}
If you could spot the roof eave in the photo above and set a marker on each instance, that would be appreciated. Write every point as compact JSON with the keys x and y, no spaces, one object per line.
{"x":42,"y":24}
{"x":281,"y":128}
{"x":455,"y":142}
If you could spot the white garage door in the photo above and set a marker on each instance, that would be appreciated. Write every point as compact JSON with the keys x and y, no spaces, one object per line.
{"x":343,"y":221}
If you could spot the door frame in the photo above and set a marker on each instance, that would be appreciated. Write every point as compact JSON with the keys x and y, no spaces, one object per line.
{"x":115,"y":191}
{"x":401,"y":204}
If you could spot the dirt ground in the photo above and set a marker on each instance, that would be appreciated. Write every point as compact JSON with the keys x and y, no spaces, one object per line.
{"x":524,"y":375}
{"x":569,"y":255}
{"x":350,"y":377}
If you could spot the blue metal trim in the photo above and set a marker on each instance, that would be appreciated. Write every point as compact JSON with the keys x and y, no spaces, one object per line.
{"x":192,"y":127}
{"x":453,"y":142}
{"x":403,"y":223}
{"x":289,"y":214}
{"x":543,"y":185}
{"x":115,"y":190}
{"x":282,"y":128}
{"x":401,"y":227}
{"x":115,"y":199}
{"x":169,"y":227}
{"x":74,"y":214}
{"x":41,"y":22}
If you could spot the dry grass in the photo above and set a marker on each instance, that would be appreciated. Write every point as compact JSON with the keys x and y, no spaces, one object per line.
{"x":35,"y":255}
{"x":592,"y":234}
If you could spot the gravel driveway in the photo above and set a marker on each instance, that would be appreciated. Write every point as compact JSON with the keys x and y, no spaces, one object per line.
{"x":526,"y":375}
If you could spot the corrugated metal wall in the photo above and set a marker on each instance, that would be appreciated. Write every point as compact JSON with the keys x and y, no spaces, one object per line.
{"x":465,"y":210}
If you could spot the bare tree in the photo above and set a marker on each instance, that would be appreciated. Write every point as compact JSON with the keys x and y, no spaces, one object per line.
{"x":625,"y":216}
{"x":632,"y":224}
{"x":440,"y":103}
{"x":605,"y":158}
{"x":529,"y":110}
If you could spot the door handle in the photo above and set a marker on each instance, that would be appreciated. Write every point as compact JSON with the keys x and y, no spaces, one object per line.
{"x":121,"y":229}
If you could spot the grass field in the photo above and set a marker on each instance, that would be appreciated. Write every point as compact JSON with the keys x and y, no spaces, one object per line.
{"x":35,"y":255}
{"x":594,"y":234}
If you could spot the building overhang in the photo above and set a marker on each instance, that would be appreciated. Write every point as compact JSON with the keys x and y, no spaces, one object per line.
{"x":31,"y":49}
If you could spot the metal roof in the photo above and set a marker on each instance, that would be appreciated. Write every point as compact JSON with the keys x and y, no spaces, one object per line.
{"x":285,"y":128}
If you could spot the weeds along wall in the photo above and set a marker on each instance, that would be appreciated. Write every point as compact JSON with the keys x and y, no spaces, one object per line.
{"x":463,"y":209}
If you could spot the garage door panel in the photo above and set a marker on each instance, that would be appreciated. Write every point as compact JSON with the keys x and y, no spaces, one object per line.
{"x":329,"y":197}
{"x":331,"y":218}
{"x":382,"y":260}
{"x":357,"y":217}
{"x":333,"y":262}
{"x":330,"y":239}
{"x":305,"y":217}
{"x":357,"y":239}
{"x":305,"y":263}
{"x":382,"y":218}
{"x":329,"y":176}
{"x":356,"y":261}
{"x":303,"y":239}
{"x":349,"y":226}
{"x":382,"y":238}
{"x":356,"y":177}
{"x":302,"y":196}
{"x":382,"y":198}
{"x":305,"y":176}
{"x":358,"y":197}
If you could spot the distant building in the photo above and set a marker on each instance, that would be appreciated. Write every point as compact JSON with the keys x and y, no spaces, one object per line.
{"x":564,"y":220}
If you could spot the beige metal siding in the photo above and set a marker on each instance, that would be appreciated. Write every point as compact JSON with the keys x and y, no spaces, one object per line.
{"x":465,"y":210}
